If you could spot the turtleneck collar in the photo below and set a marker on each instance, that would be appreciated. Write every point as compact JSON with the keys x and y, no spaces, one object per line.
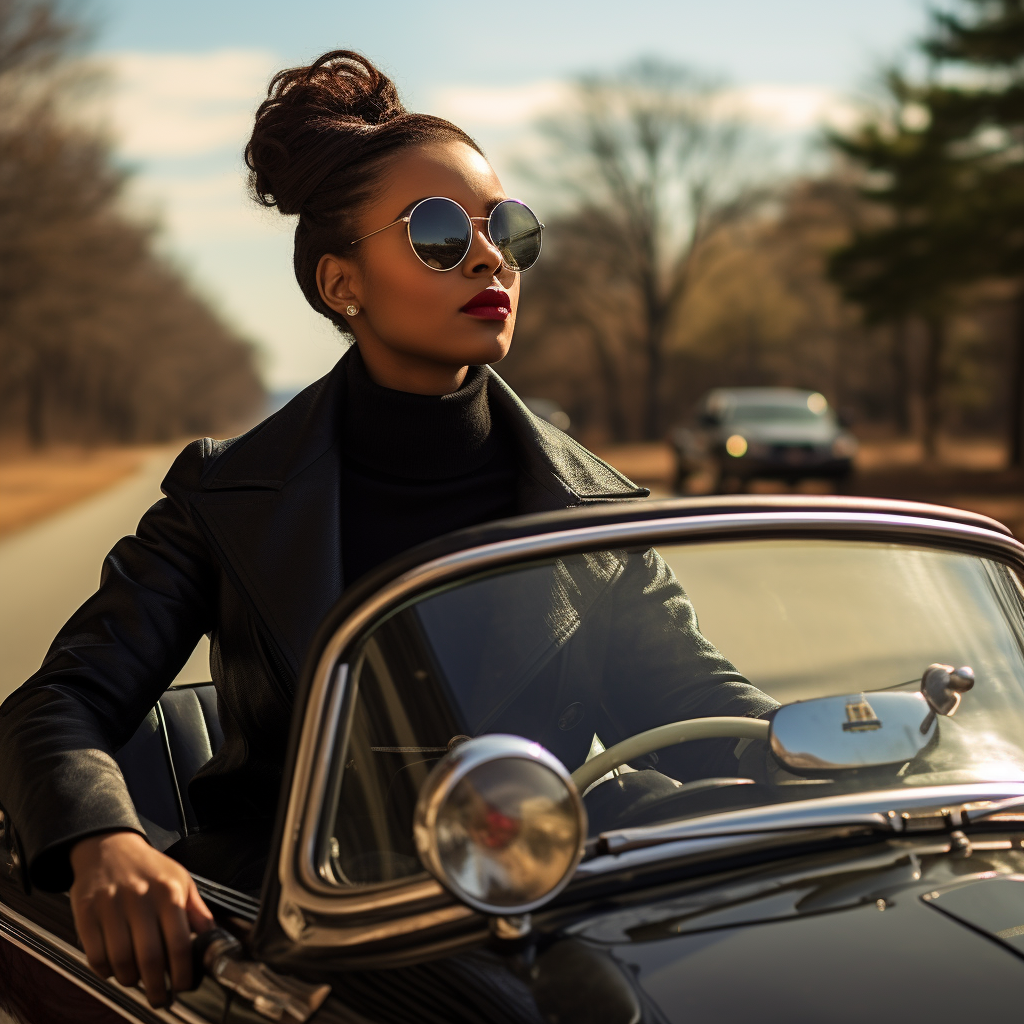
{"x":415,"y":437}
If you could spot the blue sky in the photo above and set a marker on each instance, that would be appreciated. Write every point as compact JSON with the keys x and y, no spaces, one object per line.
{"x":187,"y":75}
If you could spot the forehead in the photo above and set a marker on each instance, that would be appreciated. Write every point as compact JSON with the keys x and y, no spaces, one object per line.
{"x":450,"y":169}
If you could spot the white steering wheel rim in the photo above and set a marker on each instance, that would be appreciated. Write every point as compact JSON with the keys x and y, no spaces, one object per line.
{"x":665,"y":736}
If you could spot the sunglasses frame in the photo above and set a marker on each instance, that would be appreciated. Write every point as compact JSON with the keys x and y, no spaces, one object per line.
{"x":407,"y":221}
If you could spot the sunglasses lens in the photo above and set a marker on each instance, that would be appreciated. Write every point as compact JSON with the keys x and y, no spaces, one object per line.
{"x":440,"y":233}
{"x":516,"y":233}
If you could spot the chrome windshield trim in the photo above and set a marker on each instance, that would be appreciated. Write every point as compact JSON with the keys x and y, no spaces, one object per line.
{"x":307,"y":897}
{"x":882,"y":809}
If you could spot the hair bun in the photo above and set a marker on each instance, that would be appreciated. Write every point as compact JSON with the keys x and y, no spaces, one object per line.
{"x":351,"y":86}
{"x":341,"y":94}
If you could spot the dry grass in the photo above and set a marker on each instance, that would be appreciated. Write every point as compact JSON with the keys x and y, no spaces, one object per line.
{"x":34,"y":485}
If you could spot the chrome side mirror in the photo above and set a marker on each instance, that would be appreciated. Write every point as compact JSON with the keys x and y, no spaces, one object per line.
{"x":942,"y":686}
{"x":855,"y":731}
{"x":500,"y":824}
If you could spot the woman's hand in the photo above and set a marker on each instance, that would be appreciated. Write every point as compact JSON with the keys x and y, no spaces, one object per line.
{"x":135,"y":910}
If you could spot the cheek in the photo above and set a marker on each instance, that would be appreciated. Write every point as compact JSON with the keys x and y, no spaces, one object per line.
{"x":403,"y":292}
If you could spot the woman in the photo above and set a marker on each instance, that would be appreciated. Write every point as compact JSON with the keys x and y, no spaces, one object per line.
{"x":410,"y":436}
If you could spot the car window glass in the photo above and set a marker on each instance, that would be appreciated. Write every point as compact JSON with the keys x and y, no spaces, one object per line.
{"x":581,"y":652}
{"x":776,"y":414}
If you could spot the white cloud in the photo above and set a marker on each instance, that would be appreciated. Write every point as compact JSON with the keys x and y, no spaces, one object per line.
{"x":788,"y":108}
{"x":781,"y":107}
{"x":193,"y":207}
{"x":514,"y":106}
{"x":186,"y":105}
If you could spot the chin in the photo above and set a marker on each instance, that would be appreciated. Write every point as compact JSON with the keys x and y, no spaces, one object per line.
{"x":485,"y":350}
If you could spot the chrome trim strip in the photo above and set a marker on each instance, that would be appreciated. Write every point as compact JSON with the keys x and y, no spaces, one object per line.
{"x":330,"y":723}
{"x":347,"y":935}
{"x":305,"y":890}
{"x":819,"y":812}
{"x":11,"y":923}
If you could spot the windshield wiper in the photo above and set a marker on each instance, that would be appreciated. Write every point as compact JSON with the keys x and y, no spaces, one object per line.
{"x":916,"y":809}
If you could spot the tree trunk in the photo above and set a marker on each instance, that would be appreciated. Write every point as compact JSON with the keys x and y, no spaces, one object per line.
{"x":1015,"y":412}
{"x":35,"y":401}
{"x":902,"y":396}
{"x":656,"y":329}
{"x":931,"y":385}
{"x":612,"y":379}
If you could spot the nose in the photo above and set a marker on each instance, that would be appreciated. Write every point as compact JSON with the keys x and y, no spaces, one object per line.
{"x":483,"y":259}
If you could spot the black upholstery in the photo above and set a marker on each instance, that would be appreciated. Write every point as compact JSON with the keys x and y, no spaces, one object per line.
{"x":174,"y":741}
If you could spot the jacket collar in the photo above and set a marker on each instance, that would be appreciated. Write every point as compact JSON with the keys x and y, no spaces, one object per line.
{"x":557,"y":472}
{"x":269,"y":502}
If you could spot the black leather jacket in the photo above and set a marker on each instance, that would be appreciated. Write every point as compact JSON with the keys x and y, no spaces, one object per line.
{"x":245,"y":547}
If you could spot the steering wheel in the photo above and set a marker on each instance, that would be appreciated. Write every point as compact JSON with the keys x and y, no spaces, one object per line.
{"x":665,"y":736}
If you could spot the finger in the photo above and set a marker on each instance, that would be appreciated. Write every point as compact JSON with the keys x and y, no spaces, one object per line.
{"x":118,"y":942}
{"x":149,"y":953}
{"x":177,"y":941}
{"x":199,"y":916}
{"x":91,"y":936}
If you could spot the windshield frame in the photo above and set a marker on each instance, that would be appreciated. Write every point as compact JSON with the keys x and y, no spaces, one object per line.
{"x":316,"y":912}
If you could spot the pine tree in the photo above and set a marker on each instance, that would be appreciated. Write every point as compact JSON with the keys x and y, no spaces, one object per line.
{"x":917,"y":247}
{"x":980,"y":90}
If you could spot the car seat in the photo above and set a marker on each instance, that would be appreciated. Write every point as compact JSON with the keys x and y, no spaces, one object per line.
{"x":174,"y":741}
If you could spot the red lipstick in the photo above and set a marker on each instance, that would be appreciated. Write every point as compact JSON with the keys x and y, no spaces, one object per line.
{"x":490,"y":304}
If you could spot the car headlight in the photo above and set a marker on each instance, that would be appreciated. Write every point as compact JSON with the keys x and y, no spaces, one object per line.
{"x":499,"y":822}
{"x":844,"y":446}
{"x":736,"y":446}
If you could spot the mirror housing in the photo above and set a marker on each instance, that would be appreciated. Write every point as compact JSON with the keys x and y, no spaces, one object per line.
{"x":500,"y":824}
{"x":859,"y":730}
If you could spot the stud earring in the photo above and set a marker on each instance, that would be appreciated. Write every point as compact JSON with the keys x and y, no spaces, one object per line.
{"x":351,"y":309}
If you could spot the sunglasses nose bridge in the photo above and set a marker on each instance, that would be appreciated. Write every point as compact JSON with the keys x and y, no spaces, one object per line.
{"x":482,"y":236}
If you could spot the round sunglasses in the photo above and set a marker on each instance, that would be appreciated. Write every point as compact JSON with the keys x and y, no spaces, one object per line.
{"x":441,"y":233}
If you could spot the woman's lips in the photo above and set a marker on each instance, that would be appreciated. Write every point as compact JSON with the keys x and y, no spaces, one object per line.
{"x":490,"y":304}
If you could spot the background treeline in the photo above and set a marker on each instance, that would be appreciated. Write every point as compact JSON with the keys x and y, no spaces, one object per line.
{"x":894,"y":282}
{"x":100,"y":338}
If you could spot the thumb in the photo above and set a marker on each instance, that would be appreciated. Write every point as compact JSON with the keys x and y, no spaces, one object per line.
{"x":199,"y":917}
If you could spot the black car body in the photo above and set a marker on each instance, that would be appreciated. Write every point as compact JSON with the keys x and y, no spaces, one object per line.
{"x":772,"y":433}
{"x":852,"y":866}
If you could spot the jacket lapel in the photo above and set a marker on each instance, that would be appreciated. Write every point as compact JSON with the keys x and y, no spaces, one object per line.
{"x":555,"y":471}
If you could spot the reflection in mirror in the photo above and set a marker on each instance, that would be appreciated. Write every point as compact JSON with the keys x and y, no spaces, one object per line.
{"x":856,"y":731}
{"x":581,"y":652}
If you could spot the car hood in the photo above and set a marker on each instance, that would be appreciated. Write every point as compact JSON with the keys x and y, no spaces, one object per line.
{"x":827,"y":938}
{"x":783,"y":433}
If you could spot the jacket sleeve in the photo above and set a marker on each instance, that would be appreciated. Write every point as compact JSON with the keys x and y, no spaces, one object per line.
{"x":661,"y":668}
{"x":100,"y":678}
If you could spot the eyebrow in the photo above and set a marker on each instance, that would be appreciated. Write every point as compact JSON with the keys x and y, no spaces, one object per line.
{"x":489,"y":205}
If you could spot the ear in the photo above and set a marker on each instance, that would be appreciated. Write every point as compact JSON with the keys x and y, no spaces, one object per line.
{"x":339,"y":282}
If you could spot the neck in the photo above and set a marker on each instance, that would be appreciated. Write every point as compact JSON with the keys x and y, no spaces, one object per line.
{"x":417,"y":375}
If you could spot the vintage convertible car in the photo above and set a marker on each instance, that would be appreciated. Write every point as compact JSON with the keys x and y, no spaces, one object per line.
{"x":475,"y":827}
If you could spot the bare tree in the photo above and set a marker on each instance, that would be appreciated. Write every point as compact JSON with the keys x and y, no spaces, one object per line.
{"x":99,"y":338}
{"x":651,"y":159}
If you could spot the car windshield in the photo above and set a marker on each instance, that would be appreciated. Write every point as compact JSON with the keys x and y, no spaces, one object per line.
{"x":774,"y":414}
{"x":581,"y":652}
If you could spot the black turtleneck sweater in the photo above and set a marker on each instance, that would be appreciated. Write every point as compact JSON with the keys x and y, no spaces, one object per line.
{"x":418,"y":466}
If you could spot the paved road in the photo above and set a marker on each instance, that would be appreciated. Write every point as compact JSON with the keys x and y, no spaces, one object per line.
{"x":47,"y":571}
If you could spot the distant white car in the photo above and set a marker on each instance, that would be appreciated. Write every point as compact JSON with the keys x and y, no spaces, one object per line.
{"x":773,"y":433}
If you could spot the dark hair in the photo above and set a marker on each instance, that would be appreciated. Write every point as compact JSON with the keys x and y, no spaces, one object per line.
{"x":321,"y":139}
